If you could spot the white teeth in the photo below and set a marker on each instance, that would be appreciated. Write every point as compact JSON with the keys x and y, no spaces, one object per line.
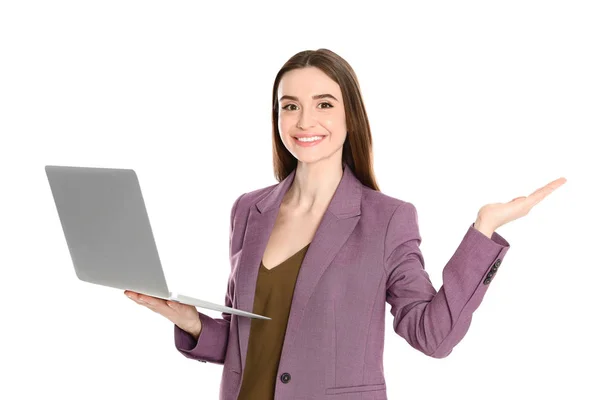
{"x":311,"y":139}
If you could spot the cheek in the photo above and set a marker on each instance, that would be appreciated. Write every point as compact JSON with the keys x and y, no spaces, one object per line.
{"x":284,"y":123}
{"x":334,"y":123}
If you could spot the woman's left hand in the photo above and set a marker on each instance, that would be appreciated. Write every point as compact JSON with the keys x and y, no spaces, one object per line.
{"x":494,"y":215}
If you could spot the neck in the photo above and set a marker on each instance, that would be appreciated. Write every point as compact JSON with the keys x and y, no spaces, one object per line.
{"x":314,"y":186}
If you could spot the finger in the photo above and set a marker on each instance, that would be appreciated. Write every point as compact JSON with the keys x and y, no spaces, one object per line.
{"x":138,"y":300}
{"x":555,"y":184}
{"x":544,"y":191}
{"x":154,"y":306}
{"x":158,"y":305}
{"x":551,"y":186}
{"x":153,"y":301}
{"x":558,"y":182}
{"x":141,"y":299}
{"x":132,"y":295}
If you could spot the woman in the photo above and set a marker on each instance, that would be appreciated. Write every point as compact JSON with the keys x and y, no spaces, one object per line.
{"x":322,"y":251}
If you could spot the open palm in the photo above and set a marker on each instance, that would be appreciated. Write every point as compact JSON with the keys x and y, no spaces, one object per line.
{"x":498,"y":214}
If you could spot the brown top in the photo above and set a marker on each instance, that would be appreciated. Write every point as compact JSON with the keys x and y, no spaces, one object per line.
{"x":273,"y":298}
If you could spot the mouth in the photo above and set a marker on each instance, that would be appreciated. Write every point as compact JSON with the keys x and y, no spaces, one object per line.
{"x":308,"y":141}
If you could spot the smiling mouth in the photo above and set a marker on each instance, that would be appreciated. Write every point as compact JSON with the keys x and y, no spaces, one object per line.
{"x":308,"y":141}
{"x":310,"y":137}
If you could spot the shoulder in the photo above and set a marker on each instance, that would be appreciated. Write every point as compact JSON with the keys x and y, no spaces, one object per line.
{"x":375,"y":198}
{"x":241,"y":205}
{"x":396,"y":219}
{"x":245,"y":200}
{"x":385,"y":206}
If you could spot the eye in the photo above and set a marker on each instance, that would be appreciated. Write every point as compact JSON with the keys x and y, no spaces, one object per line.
{"x":286,"y":107}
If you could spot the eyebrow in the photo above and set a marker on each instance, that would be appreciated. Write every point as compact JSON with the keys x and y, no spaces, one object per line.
{"x":316,"y":96}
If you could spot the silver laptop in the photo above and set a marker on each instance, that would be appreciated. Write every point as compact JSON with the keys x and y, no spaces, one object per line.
{"x":104,"y":219}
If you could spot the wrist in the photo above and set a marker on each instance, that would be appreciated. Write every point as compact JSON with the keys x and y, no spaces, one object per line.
{"x":484,"y":228}
{"x":196,"y":332}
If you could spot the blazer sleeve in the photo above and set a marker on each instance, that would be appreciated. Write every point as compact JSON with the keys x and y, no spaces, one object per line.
{"x":212,"y":341}
{"x":431,"y":321}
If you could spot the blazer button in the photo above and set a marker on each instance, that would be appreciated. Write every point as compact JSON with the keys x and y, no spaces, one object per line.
{"x":490,"y":275}
{"x":487,"y":281}
{"x":285,"y":377}
{"x":498,"y":262}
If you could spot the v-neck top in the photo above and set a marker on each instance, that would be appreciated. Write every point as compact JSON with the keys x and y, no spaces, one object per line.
{"x":272,"y":298}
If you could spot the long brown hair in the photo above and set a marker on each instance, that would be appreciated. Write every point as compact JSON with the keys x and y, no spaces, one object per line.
{"x":357,"y":151}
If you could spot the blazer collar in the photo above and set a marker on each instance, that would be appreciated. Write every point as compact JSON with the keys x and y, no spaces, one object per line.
{"x":345,"y":201}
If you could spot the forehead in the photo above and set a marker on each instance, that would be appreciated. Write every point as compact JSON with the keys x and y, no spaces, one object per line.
{"x":305,"y":82}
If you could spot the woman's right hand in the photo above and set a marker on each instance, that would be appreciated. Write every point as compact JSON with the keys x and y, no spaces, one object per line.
{"x":183,"y":315}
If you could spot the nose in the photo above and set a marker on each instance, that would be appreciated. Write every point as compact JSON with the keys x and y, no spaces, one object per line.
{"x":306,"y":119}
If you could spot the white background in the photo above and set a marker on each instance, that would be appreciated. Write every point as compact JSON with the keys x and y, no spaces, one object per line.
{"x":469,"y":102}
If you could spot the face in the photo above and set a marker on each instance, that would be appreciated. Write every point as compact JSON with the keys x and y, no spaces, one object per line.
{"x":312,"y":121}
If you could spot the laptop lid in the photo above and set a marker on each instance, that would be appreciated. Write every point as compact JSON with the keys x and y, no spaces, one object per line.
{"x":106,"y":226}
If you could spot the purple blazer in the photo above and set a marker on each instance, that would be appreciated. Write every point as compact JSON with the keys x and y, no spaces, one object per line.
{"x":365,"y":253}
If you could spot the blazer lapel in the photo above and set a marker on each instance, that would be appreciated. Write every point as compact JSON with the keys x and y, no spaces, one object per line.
{"x":338,"y":222}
